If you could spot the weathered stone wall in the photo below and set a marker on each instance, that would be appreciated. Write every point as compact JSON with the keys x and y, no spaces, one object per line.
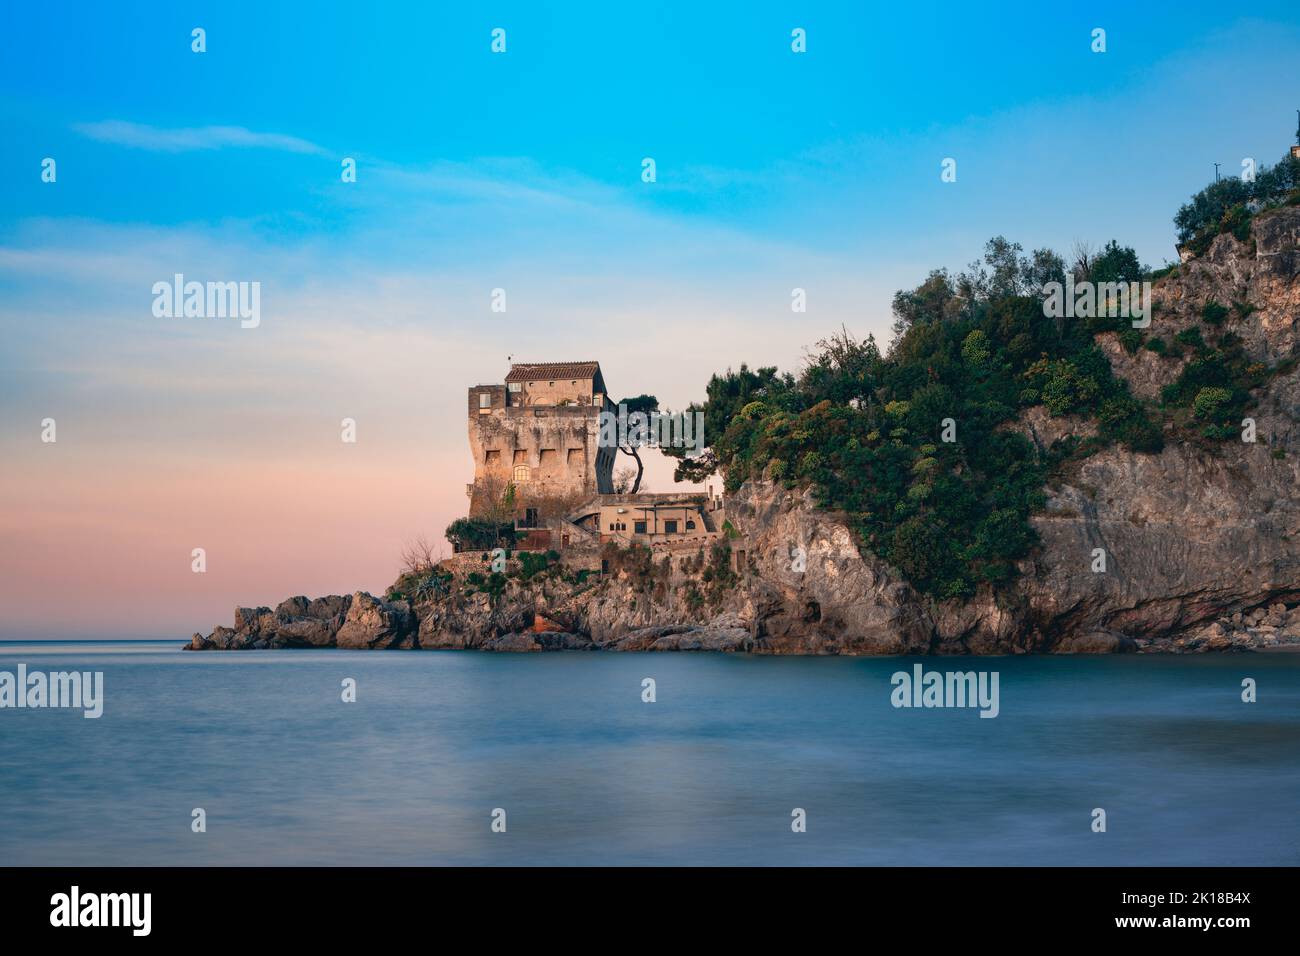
{"x":559,"y":447}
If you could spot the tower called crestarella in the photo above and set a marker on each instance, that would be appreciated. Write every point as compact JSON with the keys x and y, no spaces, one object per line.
{"x":538,"y":432}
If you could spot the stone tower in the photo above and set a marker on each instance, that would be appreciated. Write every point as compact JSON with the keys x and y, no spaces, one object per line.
{"x":538,"y":431}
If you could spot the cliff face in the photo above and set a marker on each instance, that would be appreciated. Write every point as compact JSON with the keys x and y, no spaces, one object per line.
{"x":1196,"y":533}
{"x":1200,"y":540}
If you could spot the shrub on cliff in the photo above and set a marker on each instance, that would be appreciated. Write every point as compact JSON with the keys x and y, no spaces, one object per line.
{"x":1229,"y":204}
{"x":480,"y":534}
{"x":1216,"y":383}
{"x":913,"y":446}
{"x":492,"y":584}
{"x":427,"y":584}
{"x":533,"y":564}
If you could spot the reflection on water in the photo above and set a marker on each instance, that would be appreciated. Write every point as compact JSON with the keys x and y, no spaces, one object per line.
{"x":587,"y":773}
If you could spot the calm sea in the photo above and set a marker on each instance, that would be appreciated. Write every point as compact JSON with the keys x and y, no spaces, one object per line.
{"x":589,"y":774}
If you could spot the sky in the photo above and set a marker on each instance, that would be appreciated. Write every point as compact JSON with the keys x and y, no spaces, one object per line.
{"x":522,"y":171}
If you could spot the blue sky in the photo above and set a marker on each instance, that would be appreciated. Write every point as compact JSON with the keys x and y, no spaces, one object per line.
{"x":520,"y":171}
{"x":743,"y":131}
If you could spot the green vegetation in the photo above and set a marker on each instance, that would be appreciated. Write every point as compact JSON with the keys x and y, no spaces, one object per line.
{"x":1230,"y":204}
{"x":492,"y":584}
{"x":1131,"y":340}
{"x":637,"y":561}
{"x":1215,"y":383}
{"x":718,"y":576}
{"x":643,"y":404}
{"x":1213,"y":313}
{"x":480,"y":534}
{"x":522,"y":566}
{"x":418,"y":586}
{"x":493,"y":527}
{"x":534,"y":564}
{"x":867,"y":431}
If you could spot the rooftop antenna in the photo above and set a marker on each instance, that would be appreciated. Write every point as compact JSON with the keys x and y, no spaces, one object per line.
{"x":1216,"y":172}
{"x":1297,"y":127}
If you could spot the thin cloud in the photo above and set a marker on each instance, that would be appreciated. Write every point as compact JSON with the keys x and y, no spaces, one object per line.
{"x":183,"y":140}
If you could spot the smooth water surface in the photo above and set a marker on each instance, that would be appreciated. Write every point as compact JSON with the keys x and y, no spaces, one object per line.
{"x":589,"y":774}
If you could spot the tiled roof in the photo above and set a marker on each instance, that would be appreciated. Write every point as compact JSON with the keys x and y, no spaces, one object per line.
{"x":532,"y":371}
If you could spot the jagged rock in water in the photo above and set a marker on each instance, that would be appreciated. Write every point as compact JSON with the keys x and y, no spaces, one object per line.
{"x":372,"y":623}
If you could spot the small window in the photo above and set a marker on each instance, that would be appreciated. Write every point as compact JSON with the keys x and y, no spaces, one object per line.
{"x":690,"y":526}
{"x":521,"y":472}
{"x":513,"y":386}
{"x":611,"y":526}
{"x":484,"y":399}
{"x":551,"y":384}
{"x":670,"y":527}
{"x":638,"y":527}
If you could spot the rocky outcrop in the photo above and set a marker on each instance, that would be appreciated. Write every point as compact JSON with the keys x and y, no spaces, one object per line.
{"x":1199,"y":545}
{"x":377,"y":624}
{"x":686,"y":637}
{"x":1276,"y":626}
{"x":296,"y":622}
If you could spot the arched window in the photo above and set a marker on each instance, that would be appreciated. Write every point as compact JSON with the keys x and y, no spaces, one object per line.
{"x":521,"y":472}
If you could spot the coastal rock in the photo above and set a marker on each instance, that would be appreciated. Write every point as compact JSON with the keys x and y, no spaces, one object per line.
{"x":512,"y":642}
{"x":225,"y":639}
{"x":371,"y":623}
{"x":563,"y":641}
{"x":1098,"y":642}
{"x":684,"y":637}
{"x":299,"y":622}
{"x":249,"y":619}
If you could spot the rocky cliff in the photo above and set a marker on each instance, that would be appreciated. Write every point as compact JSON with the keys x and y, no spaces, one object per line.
{"x":1200,"y":541}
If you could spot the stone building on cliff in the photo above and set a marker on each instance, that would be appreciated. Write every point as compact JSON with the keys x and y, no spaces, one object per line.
{"x":538,"y":432}
{"x":539,"y":464}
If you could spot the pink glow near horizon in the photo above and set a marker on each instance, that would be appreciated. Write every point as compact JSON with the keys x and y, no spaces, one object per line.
{"x":97,"y":541}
